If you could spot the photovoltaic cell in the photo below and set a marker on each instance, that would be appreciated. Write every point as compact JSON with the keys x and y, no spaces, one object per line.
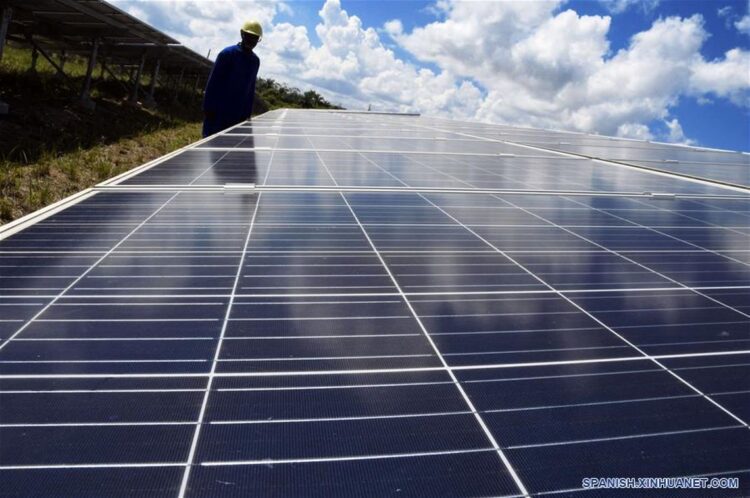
{"x":367,"y":322}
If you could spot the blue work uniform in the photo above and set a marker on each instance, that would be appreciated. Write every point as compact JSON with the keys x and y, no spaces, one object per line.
{"x":230,"y":89}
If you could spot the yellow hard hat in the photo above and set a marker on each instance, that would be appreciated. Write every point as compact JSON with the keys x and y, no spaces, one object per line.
{"x":253,"y":27}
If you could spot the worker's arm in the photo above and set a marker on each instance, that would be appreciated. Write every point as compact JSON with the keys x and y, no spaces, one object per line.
{"x":216,"y":80}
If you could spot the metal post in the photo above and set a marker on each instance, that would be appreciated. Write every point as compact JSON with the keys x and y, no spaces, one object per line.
{"x":116,"y":78}
{"x":63,"y":59}
{"x":4,"y":23}
{"x":90,"y":69}
{"x":154,"y":76}
{"x":137,"y":82}
{"x":179,"y":80}
{"x":195,"y":86}
{"x":34,"y":59}
{"x":38,"y":50}
{"x":178,"y":87}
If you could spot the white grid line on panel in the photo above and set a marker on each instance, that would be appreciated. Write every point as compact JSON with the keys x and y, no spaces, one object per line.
{"x":209,"y":384}
{"x":480,"y":420}
{"x":306,"y":373}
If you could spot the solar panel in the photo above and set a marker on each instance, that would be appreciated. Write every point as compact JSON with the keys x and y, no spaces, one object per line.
{"x":349,"y":304}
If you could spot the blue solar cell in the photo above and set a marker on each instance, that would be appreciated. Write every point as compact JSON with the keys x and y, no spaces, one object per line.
{"x":591,"y":270}
{"x":330,"y":402}
{"x":342,"y":438}
{"x":670,"y":322}
{"x":378,"y":342}
{"x":715,"y":374}
{"x":494,"y":389}
{"x":68,"y":445}
{"x":551,"y":468}
{"x":570,"y":424}
{"x":99,"y":407}
{"x":93,"y":483}
{"x":470,"y":474}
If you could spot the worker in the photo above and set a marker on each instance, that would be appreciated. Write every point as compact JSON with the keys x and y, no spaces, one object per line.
{"x":231,"y":87}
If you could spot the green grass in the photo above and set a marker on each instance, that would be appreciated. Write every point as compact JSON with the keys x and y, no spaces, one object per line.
{"x":51,"y":148}
{"x":27,"y":187}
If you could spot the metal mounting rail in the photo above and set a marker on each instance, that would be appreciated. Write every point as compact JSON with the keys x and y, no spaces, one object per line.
{"x":688,"y":176}
{"x":252,"y":188}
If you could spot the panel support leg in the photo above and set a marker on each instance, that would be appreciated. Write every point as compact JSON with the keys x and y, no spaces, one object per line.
{"x":178,"y":86}
{"x":85,"y":99}
{"x":137,"y":82}
{"x":34,"y":60}
{"x":63,"y":60}
{"x":4,"y":23}
{"x":195,"y":88}
{"x":150,"y":101}
{"x":39,"y":50}
{"x":115,"y":77}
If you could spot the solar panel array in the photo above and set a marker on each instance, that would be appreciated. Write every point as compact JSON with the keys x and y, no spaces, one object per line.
{"x":343,"y":304}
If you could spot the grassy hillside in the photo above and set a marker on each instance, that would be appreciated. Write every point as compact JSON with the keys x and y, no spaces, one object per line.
{"x":50,"y":147}
{"x":277,"y":95}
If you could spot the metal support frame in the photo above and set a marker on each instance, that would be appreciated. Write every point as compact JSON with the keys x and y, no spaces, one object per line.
{"x":252,"y":188}
{"x":178,"y":86}
{"x":63,"y":60}
{"x":106,"y":68}
{"x":154,"y":77}
{"x":195,"y":88}
{"x":39,"y":50}
{"x":137,"y":82}
{"x":7,"y":13}
{"x":85,"y":99}
{"x":4,"y":23}
{"x":34,"y":59}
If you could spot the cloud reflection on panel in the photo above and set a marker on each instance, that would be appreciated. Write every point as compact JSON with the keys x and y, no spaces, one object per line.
{"x":670,"y":321}
{"x":503,"y":329}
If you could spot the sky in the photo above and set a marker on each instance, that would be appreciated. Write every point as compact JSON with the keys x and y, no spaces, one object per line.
{"x":665,"y":70}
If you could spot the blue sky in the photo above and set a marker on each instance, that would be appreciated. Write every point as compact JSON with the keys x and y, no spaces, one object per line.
{"x":668,"y":70}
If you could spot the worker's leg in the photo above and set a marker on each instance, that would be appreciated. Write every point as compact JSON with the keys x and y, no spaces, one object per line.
{"x":211,"y":126}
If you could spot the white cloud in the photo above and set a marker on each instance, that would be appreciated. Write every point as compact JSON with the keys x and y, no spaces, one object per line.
{"x":476,"y":37}
{"x":740,"y":23}
{"x":532,"y":63}
{"x":554,"y":69}
{"x":350,"y":65}
{"x":634,"y":130}
{"x":353,"y":66}
{"x":394,"y":27}
{"x":728,"y":77}
{"x":725,"y":11}
{"x":676,"y":134}
{"x":203,"y":25}
{"x":620,"y":6}
{"x":566,"y":48}
{"x":743,"y":25}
